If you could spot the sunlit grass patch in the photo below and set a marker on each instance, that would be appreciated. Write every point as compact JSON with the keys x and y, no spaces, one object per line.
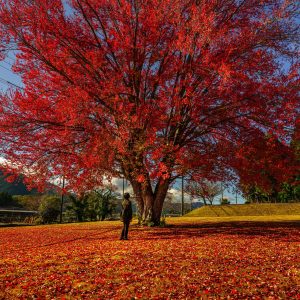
{"x":260,"y":209}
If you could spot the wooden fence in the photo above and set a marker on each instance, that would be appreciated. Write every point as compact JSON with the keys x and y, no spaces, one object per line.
{"x":16,"y":216}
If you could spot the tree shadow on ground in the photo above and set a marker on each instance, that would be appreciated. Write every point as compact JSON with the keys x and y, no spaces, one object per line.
{"x":2,"y":225}
{"x":288,"y":230}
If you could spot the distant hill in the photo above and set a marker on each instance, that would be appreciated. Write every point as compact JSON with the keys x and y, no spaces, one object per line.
{"x":15,"y":188}
{"x":262,"y":209}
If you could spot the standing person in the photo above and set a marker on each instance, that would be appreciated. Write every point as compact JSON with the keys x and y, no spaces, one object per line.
{"x":126,"y":216}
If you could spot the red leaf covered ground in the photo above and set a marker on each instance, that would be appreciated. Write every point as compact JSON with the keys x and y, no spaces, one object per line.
{"x":232,"y":260}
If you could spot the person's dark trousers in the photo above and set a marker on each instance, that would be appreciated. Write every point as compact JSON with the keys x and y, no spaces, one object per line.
{"x":124,"y":235}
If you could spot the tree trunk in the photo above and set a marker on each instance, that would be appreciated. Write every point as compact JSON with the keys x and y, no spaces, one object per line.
{"x":204,"y":200}
{"x":139,"y":200}
{"x":150,"y":203}
{"x":148,"y":200}
{"x":160,"y":196}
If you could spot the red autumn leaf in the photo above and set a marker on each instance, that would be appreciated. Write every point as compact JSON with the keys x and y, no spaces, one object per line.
{"x":107,"y":83}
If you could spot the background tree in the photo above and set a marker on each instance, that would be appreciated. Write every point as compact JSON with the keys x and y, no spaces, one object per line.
{"x":224,"y":201}
{"x":289,"y":193}
{"x":106,"y":202}
{"x":205,"y":190}
{"x":254,"y":194}
{"x":78,"y":205}
{"x":259,"y":180}
{"x":93,"y":206}
{"x":147,"y":90}
{"x":286,"y":194}
{"x":29,"y":202}
{"x":49,"y":209}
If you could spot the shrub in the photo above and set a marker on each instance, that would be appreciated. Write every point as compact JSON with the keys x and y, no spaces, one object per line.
{"x":225,"y":201}
{"x":33,"y":220}
{"x":150,"y":224}
{"x":163,"y":222}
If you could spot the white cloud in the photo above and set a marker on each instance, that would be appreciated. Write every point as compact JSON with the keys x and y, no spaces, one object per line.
{"x":177,"y":195}
{"x":118,"y":182}
{"x":2,"y":161}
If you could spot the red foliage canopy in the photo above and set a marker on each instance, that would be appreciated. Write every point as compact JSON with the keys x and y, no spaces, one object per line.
{"x":267,"y":163}
{"x":150,"y":89}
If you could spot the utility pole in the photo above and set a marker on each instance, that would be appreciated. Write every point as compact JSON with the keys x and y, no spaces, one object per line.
{"x":236,"y":197}
{"x":222,"y":195}
{"x":182,"y":195}
{"x":123,"y":186}
{"x":222,"y":190}
{"x":62,"y":199}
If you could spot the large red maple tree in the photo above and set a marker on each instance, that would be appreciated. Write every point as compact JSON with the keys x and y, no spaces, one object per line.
{"x":146,"y":89}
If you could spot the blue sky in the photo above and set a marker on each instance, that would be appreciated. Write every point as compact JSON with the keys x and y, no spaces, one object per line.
{"x":7,"y":77}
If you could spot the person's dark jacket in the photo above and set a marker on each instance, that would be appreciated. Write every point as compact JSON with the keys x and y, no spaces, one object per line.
{"x":126,"y":213}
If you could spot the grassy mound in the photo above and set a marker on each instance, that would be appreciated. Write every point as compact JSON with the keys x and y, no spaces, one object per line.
{"x":264,"y":209}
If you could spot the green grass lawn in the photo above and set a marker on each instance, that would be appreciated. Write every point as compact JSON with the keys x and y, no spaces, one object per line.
{"x":264,"y":209}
